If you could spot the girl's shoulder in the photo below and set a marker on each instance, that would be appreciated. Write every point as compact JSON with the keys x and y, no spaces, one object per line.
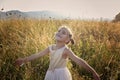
{"x":51,"y":47}
{"x":68,"y":50}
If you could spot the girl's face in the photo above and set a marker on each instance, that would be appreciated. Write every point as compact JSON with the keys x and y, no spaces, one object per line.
{"x":62,"y":35}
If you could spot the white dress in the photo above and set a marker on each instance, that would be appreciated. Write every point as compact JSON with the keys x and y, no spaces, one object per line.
{"x":58,"y":66}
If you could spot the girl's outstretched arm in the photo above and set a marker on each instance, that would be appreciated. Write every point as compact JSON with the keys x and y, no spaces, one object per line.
{"x":21,"y":61}
{"x":82,"y":62}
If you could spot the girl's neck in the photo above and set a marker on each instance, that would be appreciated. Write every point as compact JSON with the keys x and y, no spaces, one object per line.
{"x":59,"y":45}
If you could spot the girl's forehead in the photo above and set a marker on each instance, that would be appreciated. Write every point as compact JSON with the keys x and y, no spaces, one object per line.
{"x":64,"y":29}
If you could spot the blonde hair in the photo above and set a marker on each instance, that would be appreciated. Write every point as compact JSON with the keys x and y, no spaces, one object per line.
{"x":70,"y":34}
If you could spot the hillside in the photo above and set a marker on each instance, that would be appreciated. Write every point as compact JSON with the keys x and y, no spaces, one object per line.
{"x":12,"y":14}
{"x":31,"y":14}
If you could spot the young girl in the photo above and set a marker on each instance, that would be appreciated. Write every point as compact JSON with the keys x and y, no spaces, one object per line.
{"x":59,"y":54}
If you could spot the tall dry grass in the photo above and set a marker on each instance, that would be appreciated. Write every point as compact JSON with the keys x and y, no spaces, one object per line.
{"x":97,"y":42}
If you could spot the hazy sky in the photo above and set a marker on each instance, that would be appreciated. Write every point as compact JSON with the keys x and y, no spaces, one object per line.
{"x":78,"y":8}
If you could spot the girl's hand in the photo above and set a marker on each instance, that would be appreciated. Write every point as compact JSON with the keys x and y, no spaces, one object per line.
{"x":19,"y":62}
{"x":96,"y":76}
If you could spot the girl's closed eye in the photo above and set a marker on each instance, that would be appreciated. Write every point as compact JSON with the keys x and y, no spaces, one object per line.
{"x":62,"y":31}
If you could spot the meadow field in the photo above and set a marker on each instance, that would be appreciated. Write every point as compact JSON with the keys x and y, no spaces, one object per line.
{"x":97,"y":42}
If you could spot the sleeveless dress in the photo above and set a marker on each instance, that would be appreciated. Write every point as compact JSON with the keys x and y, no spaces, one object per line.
{"x":58,"y":66}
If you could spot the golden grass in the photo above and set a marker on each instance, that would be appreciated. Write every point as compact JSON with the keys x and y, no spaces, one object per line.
{"x":98,"y":42}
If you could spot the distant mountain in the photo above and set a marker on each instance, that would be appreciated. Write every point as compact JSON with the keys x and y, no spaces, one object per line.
{"x":12,"y":14}
{"x":44,"y":15}
{"x":31,"y":14}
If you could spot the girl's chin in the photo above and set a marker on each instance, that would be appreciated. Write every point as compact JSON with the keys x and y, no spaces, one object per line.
{"x":57,"y":39}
